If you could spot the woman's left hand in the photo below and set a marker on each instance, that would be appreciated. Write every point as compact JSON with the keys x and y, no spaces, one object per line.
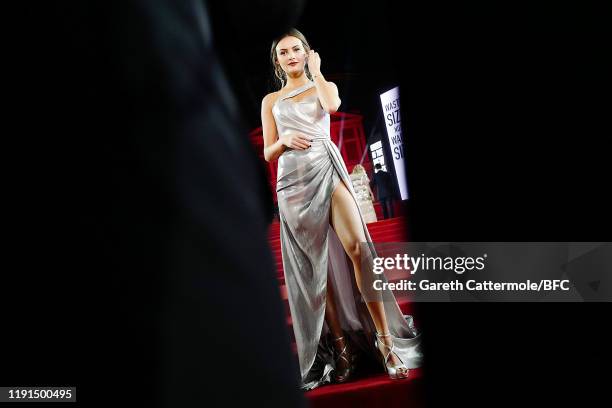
{"x":314,"y":63}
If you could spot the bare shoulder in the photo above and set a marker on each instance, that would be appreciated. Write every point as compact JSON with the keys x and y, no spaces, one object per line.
{"x":269,"y":99}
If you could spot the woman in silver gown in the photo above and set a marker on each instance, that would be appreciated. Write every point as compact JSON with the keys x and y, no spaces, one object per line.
{"x":326,"y":248}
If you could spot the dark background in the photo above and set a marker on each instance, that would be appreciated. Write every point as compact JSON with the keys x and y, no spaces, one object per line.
{"x":505,"y":121}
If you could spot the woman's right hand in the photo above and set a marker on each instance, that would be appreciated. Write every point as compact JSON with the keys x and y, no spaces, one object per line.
{"x":296,"y":141}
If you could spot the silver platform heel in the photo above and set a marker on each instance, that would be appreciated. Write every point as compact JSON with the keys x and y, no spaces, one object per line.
{"x":393,"y":371}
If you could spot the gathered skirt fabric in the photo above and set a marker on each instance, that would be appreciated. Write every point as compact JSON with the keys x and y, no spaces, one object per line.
{"x":311,"y":250}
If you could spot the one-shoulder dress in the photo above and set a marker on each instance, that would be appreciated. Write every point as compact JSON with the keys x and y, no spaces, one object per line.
{"x":311,"y":249}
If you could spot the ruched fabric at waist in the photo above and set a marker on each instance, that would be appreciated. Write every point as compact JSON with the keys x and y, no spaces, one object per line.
{"x":316,"y":140}
{"x":321,"y":138}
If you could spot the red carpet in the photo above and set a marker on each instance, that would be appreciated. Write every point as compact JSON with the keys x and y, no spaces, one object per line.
{"x":375,"y":390}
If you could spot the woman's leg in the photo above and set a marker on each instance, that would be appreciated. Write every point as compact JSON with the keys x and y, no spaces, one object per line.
{"x":347,"y":224}
{"x":331,"y":313}
{"x":338,"y":339}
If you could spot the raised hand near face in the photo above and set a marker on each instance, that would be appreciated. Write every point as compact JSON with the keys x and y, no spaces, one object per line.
{"x":314,"y":63}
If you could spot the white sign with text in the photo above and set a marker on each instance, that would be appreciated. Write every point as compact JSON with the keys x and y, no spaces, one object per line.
{"x":390,"y":102}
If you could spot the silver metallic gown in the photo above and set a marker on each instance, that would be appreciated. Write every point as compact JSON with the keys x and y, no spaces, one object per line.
{"x":311,"y":249}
